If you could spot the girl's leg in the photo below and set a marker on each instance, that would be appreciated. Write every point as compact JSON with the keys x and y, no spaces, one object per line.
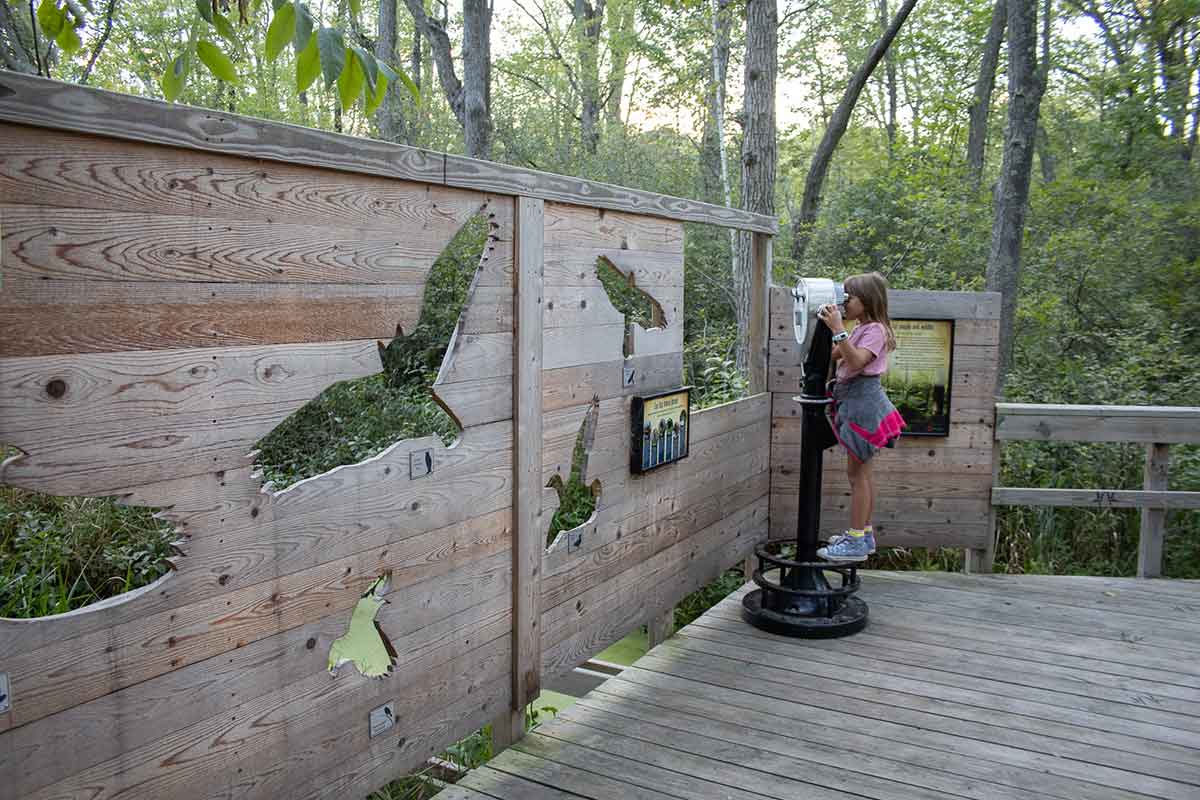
{"x":867,"y":476}
{"x":860,"y":492}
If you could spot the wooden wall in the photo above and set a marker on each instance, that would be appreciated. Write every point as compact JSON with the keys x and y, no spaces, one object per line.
{"x":932,"y":492}
{"x":654,"y":537}
{"x":163,"y":310}
{"x":170,"y":296}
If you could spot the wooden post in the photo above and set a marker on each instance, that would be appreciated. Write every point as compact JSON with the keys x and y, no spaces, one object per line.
{"x":660,"y":627}
{"x":527,"y":472}
{"x":1150,"y":538}
{"x":760,"y":310}
{"x":979,"y":561}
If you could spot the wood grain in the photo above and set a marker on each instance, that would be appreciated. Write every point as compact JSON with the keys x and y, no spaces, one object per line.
{"x":527,"y":457}
{"x":50,"y":104}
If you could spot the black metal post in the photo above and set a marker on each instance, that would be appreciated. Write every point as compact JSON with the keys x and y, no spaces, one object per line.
{"x":802,"y":603}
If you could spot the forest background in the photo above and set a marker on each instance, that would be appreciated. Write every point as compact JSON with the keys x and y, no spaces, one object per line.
{"x":876,"y":134}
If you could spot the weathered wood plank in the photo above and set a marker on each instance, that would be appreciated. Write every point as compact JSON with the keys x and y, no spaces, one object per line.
{"x":723,"y":766}
{"x":60,"y":168}
{"x":1095,"y":498}
{"x":67,"y":317}
{"x":851,"y":736}
{"x":1090,"y":707}
{"x":573,"y":386}
{"x":273,"y":739}
{"x":78,"y":398}
{"x":493,"y":176}
{"x":608,"y":612}
{"x":156,"y":708}
{"x":1153,"y":518}
{"x":919,"y":765}
{"x":527,"y":457}
{"x":48,"y":243}
{"x":1129,"y":772}
{"x":1049,"y":422}
{"x":49,"y":104}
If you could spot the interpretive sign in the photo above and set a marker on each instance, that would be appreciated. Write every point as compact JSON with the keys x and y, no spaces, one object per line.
{"x":920,"y":374}
{"x":659,"y":430}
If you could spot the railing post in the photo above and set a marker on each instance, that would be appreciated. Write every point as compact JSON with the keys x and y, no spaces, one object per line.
{"x":979,"y":561}
{"x":1150,"y":537}
{"x":760,"y":310}
{"x":660,"y":627}
{"x":528,"y":533}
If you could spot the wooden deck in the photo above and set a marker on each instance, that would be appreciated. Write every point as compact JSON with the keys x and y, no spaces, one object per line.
{"x":961,"y":686}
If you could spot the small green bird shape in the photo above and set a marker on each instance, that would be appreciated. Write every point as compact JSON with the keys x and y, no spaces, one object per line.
{"x":364,"y":643}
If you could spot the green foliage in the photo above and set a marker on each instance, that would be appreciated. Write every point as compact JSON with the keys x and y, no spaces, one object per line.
{"x":354,"y":420}
{"x":691,"y":607}
{"x":62,"y":553}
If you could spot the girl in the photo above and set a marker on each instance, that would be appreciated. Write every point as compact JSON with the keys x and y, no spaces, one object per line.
{"x":862,"y":417}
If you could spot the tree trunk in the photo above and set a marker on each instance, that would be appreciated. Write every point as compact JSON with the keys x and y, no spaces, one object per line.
{"x":802,"y":225}
{"x":16,"y":40}
{"x":477,"y":77}
{"x":889,"y":71}
{"x":470,"y":102}
{"x":621,"y":38}
{"x":389,"y":117}
{"x":588,"y":20}
{"x":1025,"y":87}
{"x":720,"y":73}
{"x":759,"y":153}
{"x":982,"y":104}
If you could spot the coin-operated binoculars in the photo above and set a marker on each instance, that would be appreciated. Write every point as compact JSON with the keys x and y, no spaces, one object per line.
{"x":794,"y":597}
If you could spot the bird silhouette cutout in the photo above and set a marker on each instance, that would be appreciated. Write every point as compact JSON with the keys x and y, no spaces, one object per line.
{"x":364,"y":644}
{"x":638,"y":305}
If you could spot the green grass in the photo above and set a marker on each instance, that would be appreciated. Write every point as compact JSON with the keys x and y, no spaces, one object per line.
{"x":62,"y":553}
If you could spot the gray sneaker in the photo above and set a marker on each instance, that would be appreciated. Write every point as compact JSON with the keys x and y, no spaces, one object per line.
{"x":844,"y":547}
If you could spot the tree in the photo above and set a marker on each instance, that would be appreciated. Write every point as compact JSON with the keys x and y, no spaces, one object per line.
{"x":802,"y":224}
{"x":982,"y":103}
{"x":470,"y":98}
{"x":759,"y":150}
{"x":1026,"y":84}
{"x":588,"y":20}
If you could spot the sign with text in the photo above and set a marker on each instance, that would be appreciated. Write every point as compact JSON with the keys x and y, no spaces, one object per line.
{"x":920,"y":374}
{"x":660,"y":430}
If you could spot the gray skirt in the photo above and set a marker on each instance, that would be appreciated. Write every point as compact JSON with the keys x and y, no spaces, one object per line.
{"x":862,"y":417}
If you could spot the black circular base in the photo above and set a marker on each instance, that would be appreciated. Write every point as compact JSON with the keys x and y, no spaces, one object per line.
{"x":850,"y":618}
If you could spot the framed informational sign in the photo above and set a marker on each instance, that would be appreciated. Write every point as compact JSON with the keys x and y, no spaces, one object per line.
{"x":660,"y":429}
{"x":920,"y":374}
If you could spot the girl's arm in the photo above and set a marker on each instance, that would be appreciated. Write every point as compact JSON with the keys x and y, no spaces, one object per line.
{"x":856,"y":358}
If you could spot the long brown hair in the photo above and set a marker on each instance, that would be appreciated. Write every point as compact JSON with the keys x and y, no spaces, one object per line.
{"x":871,"y":289}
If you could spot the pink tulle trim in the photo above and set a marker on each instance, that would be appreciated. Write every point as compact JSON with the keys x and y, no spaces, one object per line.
{"x":888,"y":429}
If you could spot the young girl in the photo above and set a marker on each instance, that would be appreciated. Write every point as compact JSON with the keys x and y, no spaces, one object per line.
{"x":862,"y":417}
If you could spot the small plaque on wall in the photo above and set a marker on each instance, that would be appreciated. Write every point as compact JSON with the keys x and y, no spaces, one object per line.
{"x":661,"y":427}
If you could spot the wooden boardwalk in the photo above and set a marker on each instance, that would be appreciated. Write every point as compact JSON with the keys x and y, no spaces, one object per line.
{"x":960,"y":687}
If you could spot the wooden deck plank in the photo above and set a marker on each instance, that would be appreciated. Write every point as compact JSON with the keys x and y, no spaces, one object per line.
{"x":1056,"y":683}
{"x":720,"y":729}
{"x":787,"y":725}
{"x":1045,"y":715}
{"x":725,"y":762}
{"x":946,"y":715}
{"x":957,"y":688}
{"x":1125,"y":603}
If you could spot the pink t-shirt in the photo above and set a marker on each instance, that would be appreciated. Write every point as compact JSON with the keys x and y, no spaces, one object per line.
{"x":870,"y":336}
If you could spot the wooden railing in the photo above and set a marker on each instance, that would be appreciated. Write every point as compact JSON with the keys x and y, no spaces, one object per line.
{"x":1157,"y":427}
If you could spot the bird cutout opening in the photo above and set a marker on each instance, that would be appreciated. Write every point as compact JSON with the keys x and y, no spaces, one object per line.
{"x":60,"y":554}
{"x":364,"y":644}
{"x":576,"y":499}
{"x":354,"y":420}
{"x":627,"y":297}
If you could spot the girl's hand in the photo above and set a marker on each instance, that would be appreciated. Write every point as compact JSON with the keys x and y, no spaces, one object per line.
{"x":831,"y":315}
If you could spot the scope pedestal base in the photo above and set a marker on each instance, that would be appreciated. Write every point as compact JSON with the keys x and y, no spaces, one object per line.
{"x":850,"y":618}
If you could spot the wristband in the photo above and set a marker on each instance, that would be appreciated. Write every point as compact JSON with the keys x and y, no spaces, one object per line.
{"x":838,"y":338}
